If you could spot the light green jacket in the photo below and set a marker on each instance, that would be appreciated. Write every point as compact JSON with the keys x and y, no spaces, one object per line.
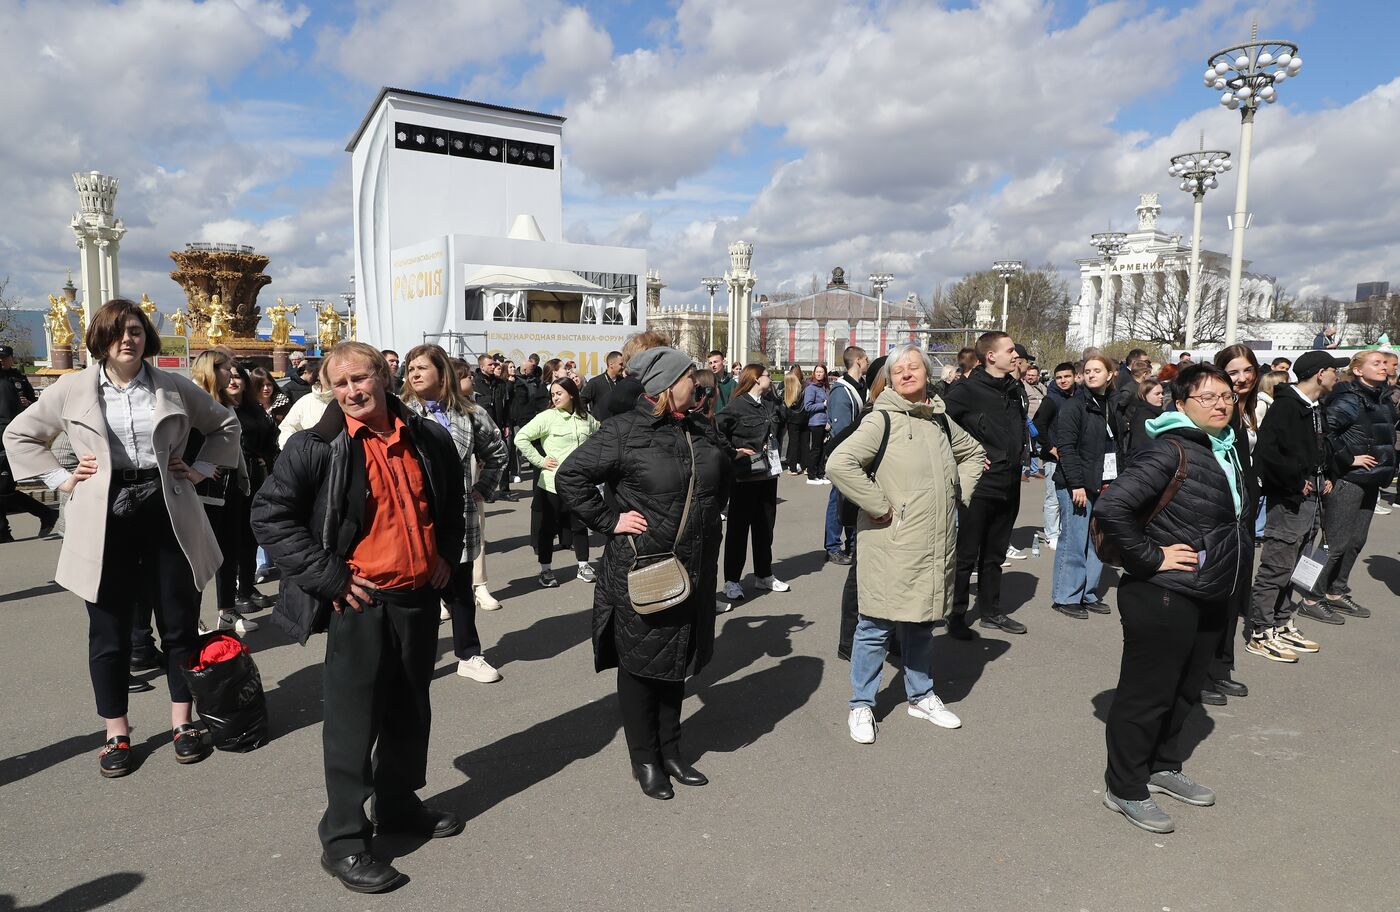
{"x":559,"y":433}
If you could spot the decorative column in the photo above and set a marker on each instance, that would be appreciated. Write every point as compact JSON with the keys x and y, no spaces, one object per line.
{"x":740,"y":280}
{"x":98,"y":233}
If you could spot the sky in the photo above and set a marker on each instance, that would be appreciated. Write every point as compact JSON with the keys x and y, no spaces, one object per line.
{"x":923,"y":139}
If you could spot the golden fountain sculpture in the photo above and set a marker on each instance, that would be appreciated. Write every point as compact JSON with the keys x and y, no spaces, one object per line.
{"x":281,"y":326}
{"x":56,"y":322}
{"x":330,"y":322}
{"x":217,"y":327}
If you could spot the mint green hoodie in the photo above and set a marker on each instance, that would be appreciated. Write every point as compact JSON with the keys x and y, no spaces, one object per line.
{"x":1222,"y":447}
{"x":559,"y":432}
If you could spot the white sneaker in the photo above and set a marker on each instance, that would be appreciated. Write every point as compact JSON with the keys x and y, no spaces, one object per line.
{"x":444,"y":615}
{"x":815,"y":481}
{"x":485,"y":600}
{"x":932,"y":709}
{"x":478,"y":669}
{"x":515,"y":479}
{"x":772,"y":583}
{"x":1014,"y":554}
{"x":585,"y":573}
{"x":236,"y":622}
{"x":723,"y":607}
{"x":203,"y":627}
{"x":1052,"y":542}
{"x":1382,"y":509}
{"x":1006,"y":563}
{"x":733,"y":591}
{"x":861,"y":723}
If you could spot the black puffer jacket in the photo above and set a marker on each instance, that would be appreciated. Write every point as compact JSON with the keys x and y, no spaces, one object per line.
{"x":309,"y":515}
{"x":1360,"y":421}
{"x":1045,"y":416}
{"x":1082,"y":436}
{"x":259,"y":442}
{"x":746,"y":423}
{"x":1201,"y":514}
{"x":993,"y":411}
{"x":646,"y":463}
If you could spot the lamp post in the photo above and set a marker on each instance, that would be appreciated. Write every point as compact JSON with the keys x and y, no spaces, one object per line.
{"x":880,"y":281}
{"x":1244,"y":76}
{"x":712,"y":282}
{"x":1198,"y":171}
{"x":348,"y":297}
{"x":1109,"y":244}
{"x":1007,"y":269}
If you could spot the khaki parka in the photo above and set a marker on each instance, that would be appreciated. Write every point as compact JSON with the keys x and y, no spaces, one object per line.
{"x":904,"y":568}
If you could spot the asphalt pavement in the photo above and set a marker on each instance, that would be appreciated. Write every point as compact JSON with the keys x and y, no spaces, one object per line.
{"x":1003,"y":814}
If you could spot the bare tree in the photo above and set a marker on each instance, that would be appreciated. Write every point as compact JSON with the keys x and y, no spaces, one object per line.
{"x":1159,"y":315}
{"x":12,"y":331}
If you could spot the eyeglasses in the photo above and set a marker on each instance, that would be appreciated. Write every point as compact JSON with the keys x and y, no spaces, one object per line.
{"x":1209,"y":400}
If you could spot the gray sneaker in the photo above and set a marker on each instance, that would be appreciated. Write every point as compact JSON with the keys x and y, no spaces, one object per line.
{"x":1144,"y":814}
{"x":1181,"y":787}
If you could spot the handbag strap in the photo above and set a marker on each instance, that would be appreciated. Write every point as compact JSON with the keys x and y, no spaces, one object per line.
{"x":685,"y":511}
{"x":1174,"y":485}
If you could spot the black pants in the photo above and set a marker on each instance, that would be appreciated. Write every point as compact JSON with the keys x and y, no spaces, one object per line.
{"x":557,"y":520}
{"x":141,"y":563}
{"x":1348,"y":512}
{"x":227,"y":522}
{"x":378,"y":666}
{"x":1168,"y":642}
{"x":984,"y":532}
{"x":461,"y":603}
{"x":816,"y":452}
{"x":247,"y":546}
{"x":22,"y":502}
{"x":651,"y":716}
{"x":850,"y":608}
{"x":512,"y":460}
{"x":796,"y":444}
{"x":753,"y":511}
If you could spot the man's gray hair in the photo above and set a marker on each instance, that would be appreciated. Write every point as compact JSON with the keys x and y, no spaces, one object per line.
{"x":898,"y":355}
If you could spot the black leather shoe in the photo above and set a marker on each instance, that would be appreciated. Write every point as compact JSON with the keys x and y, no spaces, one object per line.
{"x":427,"y":822}
{"x":684,"y":773}
{"x":843,"y":654}
{"x":653,"y":781}
{"x":1099,"y":607}
{"x":1345,"y":605}
{"x":958,"y":629}
{"x":6,"y":536}
{"x":1230,"y":688}
{"x":146,"y":659}
{"x":1078,"y":612}
{"x":260,"y":602}
{"x":1002,"y":622}
{"x":839,"y":557}
{"x":137,"y":686}
{"x":362,"y":873}
{"x":115,"y":757}
{"x":547,"y":580}
{"x":189,"y":745}
{"x":47,"y":523}
{"x":1320,"y":613}
{"x":1213,"y":697}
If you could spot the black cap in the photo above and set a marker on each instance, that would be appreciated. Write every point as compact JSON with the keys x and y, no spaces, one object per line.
{"x":1309,"y":363}
{"x":6,"y":351}
{"x":1025,"y":355}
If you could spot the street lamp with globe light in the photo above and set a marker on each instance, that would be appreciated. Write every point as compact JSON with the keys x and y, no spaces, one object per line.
{"x":1199,"y":172}
{"x":880,"y":281}
{"x":1007,"y":269}
{"x":712,"y":282}
{"x":1109,"y":244}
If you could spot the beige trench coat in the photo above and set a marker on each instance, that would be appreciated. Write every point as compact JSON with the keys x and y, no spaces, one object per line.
{"x":904,"y":568}
{"x":73,"y":404}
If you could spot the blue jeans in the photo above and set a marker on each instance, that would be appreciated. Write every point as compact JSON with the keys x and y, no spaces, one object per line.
{"x":1077,"y":564}
{"x":868,"y":658}
{"x":1052,"y":502}
{"x":834,"y":527}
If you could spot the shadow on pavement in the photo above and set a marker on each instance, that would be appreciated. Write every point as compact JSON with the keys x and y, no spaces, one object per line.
{"x":957,"y":666}
{"x":1198,"y":726}
{"x":92,"y":895}
{"x":546,"y":638}
{"x":20,"y":766}
{"x":31,"y":592}
{"x":1386,"y":570}
{"x":295,"y":702}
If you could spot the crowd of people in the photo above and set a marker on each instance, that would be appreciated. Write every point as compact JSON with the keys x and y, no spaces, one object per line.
{"x":358,"y":483}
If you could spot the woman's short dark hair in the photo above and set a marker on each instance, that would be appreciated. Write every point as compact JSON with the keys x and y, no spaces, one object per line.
{"x":571,"y":388}
{"x":1195,"y":375}
{"x":109,"y":324}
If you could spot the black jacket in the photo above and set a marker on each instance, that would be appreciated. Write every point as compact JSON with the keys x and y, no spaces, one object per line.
{"x":1045,"y":416}
{"x":1360,"y":421}
{"x":623,"y":398}
{"x":993,"y":411}
{"x":493,"y":395}
{"x":1201,"y":514}
{"x":295,"y":388}
{"x":596,"y":393}
{"x":528,"y":398}
{"x":1138,"y":413}
{"x":259,"y":442}
{"x":746,"y":423}
{"x":310,"y":513}
{"x":646,"y":464}
{"x":14,"y":389}
{"x":1082,"y":435}
{"x":1291,"y":449}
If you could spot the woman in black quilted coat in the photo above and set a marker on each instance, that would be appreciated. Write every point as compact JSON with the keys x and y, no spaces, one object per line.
{"x":1181,"y":568}
{"x":645,"y":458}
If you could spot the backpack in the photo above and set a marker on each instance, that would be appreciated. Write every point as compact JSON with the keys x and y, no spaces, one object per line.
{"x":846,"y":510}
{"x":1106,"y":548}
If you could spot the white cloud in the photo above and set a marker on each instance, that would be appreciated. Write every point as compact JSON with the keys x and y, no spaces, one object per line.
{"x":571,"y":48}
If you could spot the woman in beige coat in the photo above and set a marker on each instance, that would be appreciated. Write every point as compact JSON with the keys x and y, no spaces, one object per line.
{"x":136,"y":528}
{"x":906,"y":534}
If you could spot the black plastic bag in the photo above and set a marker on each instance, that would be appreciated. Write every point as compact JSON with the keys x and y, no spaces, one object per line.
{"x":228,"y":695}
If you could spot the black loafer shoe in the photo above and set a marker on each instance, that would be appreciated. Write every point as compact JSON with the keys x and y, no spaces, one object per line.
{"x":1099,"y":607}
{"x":427,"y":822}
{"x":362,"y":873}
{"x":1213,"y":698}
{"x":1230,"y":688}
{"x":1320,"y":613}
{"x":189,"y":745}
{"x":261,"y":602}
{"x":1078,"y":612}
{"x":958,"y":629}
{"x":47,"y":523}
{"x":548,"y":581}
{"x":684,"y":773}
{"x":115,"y":757}
{"x":653,"y":780}
{"x":1002,"y":622}
{"x":137,"y":686}
{"x":1345,"y":605}
{"x":839,"y":557}
{"x":146,"y":659}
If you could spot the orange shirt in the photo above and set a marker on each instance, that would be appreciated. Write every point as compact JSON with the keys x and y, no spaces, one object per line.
{"x":398,"y":550}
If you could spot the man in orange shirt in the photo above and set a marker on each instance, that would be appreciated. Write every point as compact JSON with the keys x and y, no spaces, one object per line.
{"x":364,"y":514}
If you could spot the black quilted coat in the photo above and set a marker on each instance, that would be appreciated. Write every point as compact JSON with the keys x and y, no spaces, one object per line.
{"x":644,"y":460}
{"x":1201,"y":514}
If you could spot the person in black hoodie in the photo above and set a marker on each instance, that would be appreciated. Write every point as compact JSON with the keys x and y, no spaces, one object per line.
{"x":1146,"y":404}
{"x":16,"y":395}
{"x":493,"y":395}
{"x":1294,"y":476}
{"x":302,"y":380}
{"x":989,"y":405}
{"x":1181,"y":568}
{"x":1061,"y":388}
{"x":749,"y":423}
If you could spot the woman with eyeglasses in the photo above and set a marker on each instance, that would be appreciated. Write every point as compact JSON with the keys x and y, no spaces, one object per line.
{"x":1181,"y":568}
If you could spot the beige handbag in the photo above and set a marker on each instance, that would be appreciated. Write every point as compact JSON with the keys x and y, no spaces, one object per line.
{"x":665,"y":582}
